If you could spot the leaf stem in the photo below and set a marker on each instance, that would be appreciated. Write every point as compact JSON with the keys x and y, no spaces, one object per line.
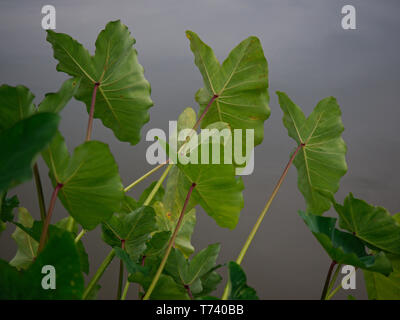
{"x":157,"y":186}
{"x":46,"y":223}
{"x":125,"y":292}
{"x":149,"y":173}
{"x":334,"y":278}
{"x":91,"y":112}
{"x":39,"y":190}
{"x":98,"y":274}
{"x":215,"y":96}
{"x":70,"y":224}
{"x":262,"y":215}
{"x":170,"y":244}
{"x":189,"y":292}
{"x":121,"y":273}
{"x":333,"y":292}
{"x":80,"y":235}
{"x":327,"y":280}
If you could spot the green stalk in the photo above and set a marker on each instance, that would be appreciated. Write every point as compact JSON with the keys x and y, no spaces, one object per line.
{"x":80,"y":235}
{"x":170,"y":244}
{"x":327,"y":280}
{"x":125,"y":292}
{"x":39,"y":190}
{"x":144,"y":176}
{"x":333,"y":292}
{"x":98,"y":274}
{"x":334,"y":278}
{"x":157,"y":186}
{"x":261,"y":217}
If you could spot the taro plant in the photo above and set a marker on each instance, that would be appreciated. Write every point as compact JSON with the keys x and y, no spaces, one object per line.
{"x":151,"y":236}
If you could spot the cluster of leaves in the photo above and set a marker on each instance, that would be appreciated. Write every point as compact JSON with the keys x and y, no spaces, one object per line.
{"x":234,"y":96}
{"x":90,"y":186}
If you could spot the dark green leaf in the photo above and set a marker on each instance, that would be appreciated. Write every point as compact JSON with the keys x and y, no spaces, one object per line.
{"x":374,"y":225}
{"x":239,"y":289}
{"x":20,"y":145}
{"x":7,"y":207}
{"x":342,"y":247}
{"x":55,"y":102}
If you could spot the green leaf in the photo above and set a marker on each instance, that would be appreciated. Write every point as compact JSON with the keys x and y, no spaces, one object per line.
{"x":188,"y":272}
{"x":20,"y":145}
{"x":380,"y":287}
{"x":60,"y":252}
{"x":16,"y":103}
{"x":134,"y":228}
{"x":166,"y":221}
{"x":374,"y":225}
{"x":157,"y":243}
{"x":56,"y":230}
{"x":92,"y":188}
{"x":123,"y":97}
{"x":321,"y":161}
{"x":55,"y":102}
{"x":241,"y":84}
{"x":27,"y":246}
{"x":342,"y":247}
{"x":7,"y":206}
{"x":238,"y":281}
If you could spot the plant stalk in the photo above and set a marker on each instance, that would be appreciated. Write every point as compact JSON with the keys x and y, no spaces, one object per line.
{"x":149,"y":173}
{"x":334,"y":278}
{"x":262,"y":215}
{"x":80,"y":235}
{"x":39,"y":190}
{"x":46,"y":223}
{"x":98,"y":274}
{"x":91,"y":113}
{"x":170,"y":244}
{"x":327,"y":280}
{"x":157,"y":186}
{"x":121,"y":273}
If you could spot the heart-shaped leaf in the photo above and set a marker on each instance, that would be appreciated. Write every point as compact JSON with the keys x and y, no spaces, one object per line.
{"x":92,"y":188}
{"x":20,"y":145}
{"x":374,"y":225}
{"x":239,"y":289}
{"x":241,"y":84}
{"x":380,"y":287}
{"x":123,"y":97}
{"x":342,"y":247}
{"x":321,"y":161}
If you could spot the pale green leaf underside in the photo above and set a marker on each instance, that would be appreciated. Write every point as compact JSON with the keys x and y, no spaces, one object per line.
{"x":321,"y":162}
{"x":123,"y":97}
{"x":92,"y":188}
{"x":241,"y":84}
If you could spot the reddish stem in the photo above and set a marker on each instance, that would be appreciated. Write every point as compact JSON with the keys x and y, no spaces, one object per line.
{"x":328,"y":280}
{"x":215,"y":96}
{"x":46,"y":224}
{"x":91,"y":113}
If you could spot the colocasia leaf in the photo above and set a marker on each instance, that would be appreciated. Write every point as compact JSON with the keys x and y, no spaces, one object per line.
{"x":16,"y":103}
{"x":321,"y":161}
{"x":343,"y":247}
{"x":241,"y":84}
{"x":27,"y":246}
{"x":7,"y":206}
{"x":238,"y":281}
{"x":92,"y":188}
{"x":373,"y":225}
{"x":55,"y":102}
{"x":20,"y":145}
{"x":123,"y":97}
{"x":134,"y":228}
{"x":61,"y":253}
